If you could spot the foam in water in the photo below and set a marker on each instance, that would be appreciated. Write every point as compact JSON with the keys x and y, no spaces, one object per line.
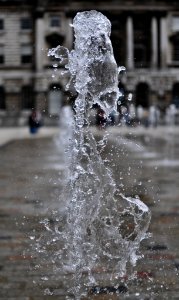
{"x":100,"y":229}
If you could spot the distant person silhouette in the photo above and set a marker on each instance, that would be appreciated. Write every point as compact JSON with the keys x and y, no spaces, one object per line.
{"x":35,"y":121}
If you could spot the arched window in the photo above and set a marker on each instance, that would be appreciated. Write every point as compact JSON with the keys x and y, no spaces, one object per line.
{"x":2,"y":98}
{"x":142,"y":95}
{"x":54,"y":39}
{"x":27,"y":97}
{"x":175,"y":94}
{"x":55,"y":99}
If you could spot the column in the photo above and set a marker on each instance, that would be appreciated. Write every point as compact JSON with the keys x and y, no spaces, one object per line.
{"x":163,"y":42}
{"x":39,"y":43}
{"x":154,"y":58}
{"x":69,"y":34}
{"x":130,"y":44}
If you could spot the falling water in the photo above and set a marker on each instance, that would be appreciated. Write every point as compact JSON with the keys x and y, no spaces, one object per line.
{"x":100,"y":230}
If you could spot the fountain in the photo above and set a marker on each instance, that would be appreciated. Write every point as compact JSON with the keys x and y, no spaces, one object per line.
{"x":100,"y":230}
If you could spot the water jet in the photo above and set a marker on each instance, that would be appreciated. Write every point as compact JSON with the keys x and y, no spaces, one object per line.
{"x":100,"y":230}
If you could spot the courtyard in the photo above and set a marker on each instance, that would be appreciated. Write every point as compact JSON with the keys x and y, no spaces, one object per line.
{"x":144,"y":162}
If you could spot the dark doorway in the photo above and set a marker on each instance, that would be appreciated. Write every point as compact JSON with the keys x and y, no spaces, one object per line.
{"x":142,"y":95}
{"x":2,"y":98}
{"x":175,"y":94}
{"x":27,"y":97}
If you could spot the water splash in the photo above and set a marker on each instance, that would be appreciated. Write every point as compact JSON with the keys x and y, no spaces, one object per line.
{"x":101,"y":229}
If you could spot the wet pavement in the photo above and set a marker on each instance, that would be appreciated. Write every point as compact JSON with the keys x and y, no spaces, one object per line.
{"x":144,"y":162}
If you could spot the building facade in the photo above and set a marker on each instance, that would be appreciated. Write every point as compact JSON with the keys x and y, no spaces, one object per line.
{"x":145,"y":38}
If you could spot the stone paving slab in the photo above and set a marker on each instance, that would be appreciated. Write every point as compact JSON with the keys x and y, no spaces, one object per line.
{"x":15,"y":133}
{"x":30,"y":189}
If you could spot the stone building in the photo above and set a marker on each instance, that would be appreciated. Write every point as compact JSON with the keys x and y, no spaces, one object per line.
{"x":145,"y":37}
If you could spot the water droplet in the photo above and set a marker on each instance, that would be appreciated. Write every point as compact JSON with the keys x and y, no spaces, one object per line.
{"x":48,"y":292}
{"x":44,"y":278}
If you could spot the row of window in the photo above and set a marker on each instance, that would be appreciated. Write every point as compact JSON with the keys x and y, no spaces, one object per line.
{"x":27,"y":97}
{"x":25,"y":59}
{"x":26,"y":23}
{"x":26,"y":54}
{"x":142,"y":96}
{"x":142,"y":54}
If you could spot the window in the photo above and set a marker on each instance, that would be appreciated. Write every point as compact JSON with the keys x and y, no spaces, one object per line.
{"x":142,"y":40}
{"x":27,"y":97}
{"x":1,"y":24}
{"x":176,"y":49}
{"x":175,"y":23}
{"x":2,"y":98}
{"x":1,"y":54}
{"x":26,"y":23}
{"x":54,"y":21}
{"x":26,"y":54}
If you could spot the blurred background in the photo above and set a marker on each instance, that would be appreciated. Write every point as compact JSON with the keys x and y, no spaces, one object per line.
{"x":142,"y":148}
{"x":145,"y":38}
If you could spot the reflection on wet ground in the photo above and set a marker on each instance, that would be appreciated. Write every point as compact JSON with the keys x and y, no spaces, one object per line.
{"x":145,"y":164}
